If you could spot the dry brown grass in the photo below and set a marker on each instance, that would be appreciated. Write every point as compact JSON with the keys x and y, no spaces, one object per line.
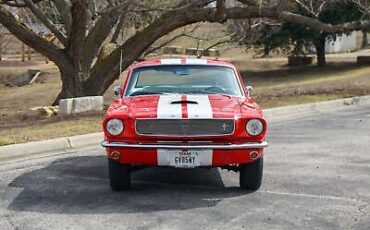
{"x":14,"y":102}
{"x":279,"y":85}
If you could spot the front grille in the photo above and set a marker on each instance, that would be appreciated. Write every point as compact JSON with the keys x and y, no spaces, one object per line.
{"x":185,"y":127}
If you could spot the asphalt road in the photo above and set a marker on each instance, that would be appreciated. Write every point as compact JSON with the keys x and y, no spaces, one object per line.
{"x":317,"y":176}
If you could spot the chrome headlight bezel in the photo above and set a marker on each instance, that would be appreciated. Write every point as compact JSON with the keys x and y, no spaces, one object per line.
{"x":114,"y":127}
{"x":254,"y":127}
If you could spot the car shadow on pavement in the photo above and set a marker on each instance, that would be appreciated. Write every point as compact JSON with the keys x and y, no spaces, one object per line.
{"x":81,"y":185}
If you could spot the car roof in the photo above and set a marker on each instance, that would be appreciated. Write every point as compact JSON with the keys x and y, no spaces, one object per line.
{"x":182,"y":61}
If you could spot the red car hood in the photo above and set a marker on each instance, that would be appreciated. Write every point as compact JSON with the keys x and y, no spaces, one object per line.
{"x":186,"y":106}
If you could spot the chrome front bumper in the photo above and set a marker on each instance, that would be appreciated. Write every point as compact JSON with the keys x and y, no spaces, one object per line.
{"x":246,"y":145}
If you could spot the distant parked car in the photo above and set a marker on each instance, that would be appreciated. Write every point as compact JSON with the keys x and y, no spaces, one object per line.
{"x":184,"y":113}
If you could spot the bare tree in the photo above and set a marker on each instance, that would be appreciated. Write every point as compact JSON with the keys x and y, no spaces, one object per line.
{"x":249,"y":32}
{"x":363,"y":5}
{"x":89,"y":26}
{"x":5,"y":41}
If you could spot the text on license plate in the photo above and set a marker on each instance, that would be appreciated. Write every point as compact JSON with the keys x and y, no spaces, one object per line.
{"x":184,"y":158}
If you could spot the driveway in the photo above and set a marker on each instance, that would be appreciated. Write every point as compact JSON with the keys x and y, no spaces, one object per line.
{"x":317,"y":176}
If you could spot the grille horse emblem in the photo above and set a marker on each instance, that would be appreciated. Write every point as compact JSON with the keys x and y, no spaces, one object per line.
{"x":224,"y":126}
{"x":184,"y":126}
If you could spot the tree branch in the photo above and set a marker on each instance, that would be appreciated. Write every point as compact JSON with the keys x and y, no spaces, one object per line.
{"x":217,"y":43}
{"x":220,"y":13}
{"x":317,"y":25}
{"x":97,"y":36}
{"x":106,"y":70}
{"x":76,"y":39}
{"x":91,"y":7}
{"x":184,"y":34}
{"x":64,"y":8}
{"x":250,"y":2}
{"x":46,"y":21}
{"x":28,"y":37}
{"x":117,"y":31}
{"x":13,"y":3}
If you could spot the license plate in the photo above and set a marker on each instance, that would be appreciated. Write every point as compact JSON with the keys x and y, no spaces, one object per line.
{"x":184,"y":158}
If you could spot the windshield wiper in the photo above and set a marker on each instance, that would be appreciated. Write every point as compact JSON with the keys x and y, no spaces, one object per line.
{"x":144,"y":93}
{"x":138,"y":93}
{"x":209,"y":92}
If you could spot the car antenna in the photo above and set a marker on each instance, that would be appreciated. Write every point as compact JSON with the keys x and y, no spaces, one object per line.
{"x":199,"y":52}
{"x":120,"y":62}
{"x":141,"y":58}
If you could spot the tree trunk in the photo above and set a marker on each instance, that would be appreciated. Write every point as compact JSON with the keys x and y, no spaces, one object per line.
{"x":320,"y":50}
{"x":93,"y":89}
{"x":72,"y":84}
{"x":29,"y":53}
{"x":266,"y":52}
{"x":365,"y":42}
{"x":23,"y":52}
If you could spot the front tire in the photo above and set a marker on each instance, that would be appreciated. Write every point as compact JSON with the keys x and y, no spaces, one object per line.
{"x":119,"y":175}
{"x":250,"y":175}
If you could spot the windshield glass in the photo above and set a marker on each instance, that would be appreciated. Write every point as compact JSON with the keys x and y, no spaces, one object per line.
{"x":183,"y":79}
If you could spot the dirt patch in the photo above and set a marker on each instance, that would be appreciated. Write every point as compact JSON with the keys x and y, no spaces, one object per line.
{"x":14,"y":63}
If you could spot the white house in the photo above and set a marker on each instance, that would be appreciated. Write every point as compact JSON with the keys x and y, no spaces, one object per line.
{"x":343,"y":43}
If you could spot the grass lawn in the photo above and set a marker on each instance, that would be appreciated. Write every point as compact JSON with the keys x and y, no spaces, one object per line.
{"x":3,"y":142}
{"x":286,"y":86}
{"x":274,"y":85}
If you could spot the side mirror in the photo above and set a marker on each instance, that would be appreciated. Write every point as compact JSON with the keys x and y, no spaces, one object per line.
{"x":117,"y":92}
{"x":249,"y":90}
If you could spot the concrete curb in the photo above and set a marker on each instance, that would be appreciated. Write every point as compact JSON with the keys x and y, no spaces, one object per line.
{"x":52,"y":145}
{"x":94,"y":139}
{"x":279,"y":113}
{"x":86,"y":140}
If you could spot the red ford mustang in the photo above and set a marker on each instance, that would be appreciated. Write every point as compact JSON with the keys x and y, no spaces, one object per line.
{"x":184,"y":113}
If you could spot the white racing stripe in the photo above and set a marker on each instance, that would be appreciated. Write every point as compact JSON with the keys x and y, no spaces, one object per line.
{"x":166,"y":110}
{"x":189,"y":61}
{"x":201,"y":110}
{"x":164,"y":156}
{"x":196,"y":61}
{"x":170,"y":61}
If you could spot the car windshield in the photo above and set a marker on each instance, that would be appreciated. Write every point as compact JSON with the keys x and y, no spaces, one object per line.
{"x":183,"y":79}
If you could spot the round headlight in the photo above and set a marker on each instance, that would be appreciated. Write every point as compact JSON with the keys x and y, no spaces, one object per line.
{"x":254,"y":127}
{"x":114,"y":127}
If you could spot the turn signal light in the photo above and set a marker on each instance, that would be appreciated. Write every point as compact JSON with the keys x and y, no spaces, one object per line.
{"x":115,"y":155}
{"x":253,"y":155}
